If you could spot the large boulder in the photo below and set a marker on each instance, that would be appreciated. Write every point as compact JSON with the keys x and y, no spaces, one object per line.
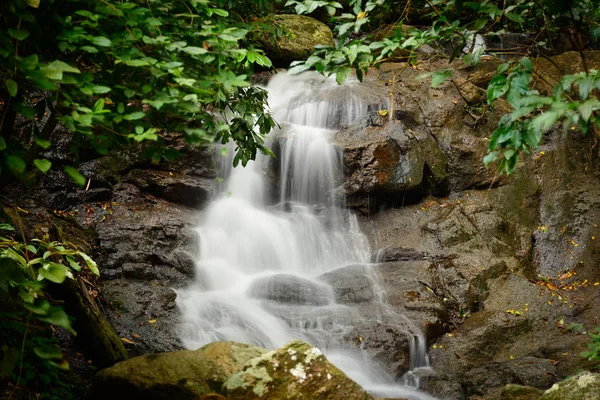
{"x":295,"y":371}
{"x":302,"y":35}
{"x":385,"y":162}
{"x":290,"y":289}
{"x":181,"y":375}
{"x":584,"y":386}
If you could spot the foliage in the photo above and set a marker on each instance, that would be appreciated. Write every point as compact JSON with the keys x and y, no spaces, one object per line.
{"x":593,"y":354}
{"x":574,"y":103}
{"x":457,"y":23}
{"x":117,"y":72}
{"x":25,"y":271}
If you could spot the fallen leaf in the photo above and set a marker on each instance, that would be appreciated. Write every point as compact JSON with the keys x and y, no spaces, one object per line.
{"x":127,"y":341}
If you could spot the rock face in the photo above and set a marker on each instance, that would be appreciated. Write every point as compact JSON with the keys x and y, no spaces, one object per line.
{"x":302,"y":35}
{"x":486,"y":272}
{"x":389,"y":161}
{"x":585,"y":386}
{"x":295,"y":371}
{"x":228,"y":370}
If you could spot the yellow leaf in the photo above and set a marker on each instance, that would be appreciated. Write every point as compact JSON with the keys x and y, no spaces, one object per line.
{"x":361,"y":15}
{"x":383,"y":113}
{"x":151,"y":321}
{"x":512,"y":357}
{"x":127,"y":340}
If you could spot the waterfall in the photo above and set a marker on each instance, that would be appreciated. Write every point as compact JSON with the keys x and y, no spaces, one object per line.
{"x":261,"y":255}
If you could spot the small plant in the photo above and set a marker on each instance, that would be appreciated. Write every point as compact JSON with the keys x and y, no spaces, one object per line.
{"x":25,"y":270}
{"x":593,"y":354}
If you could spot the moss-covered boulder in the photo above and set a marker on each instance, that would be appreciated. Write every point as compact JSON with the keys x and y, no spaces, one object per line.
{"x":231,"y":356}
{"x":177,"y":375}
{"x":302,"y":34}
{"x":584,"y":386}
{"x":295,"y":371}
{"x":520,"y":392}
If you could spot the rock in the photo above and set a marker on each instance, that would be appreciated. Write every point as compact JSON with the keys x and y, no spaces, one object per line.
{"x":181,"y":374}
{"x":520,"y":392}
{"x":174,"y":187}
{"x":231,"y":356}
{"x":295,"y":371}
{"x":302,"y":35}
{"x":291,"y":289}
{"x":146,"y":250}
{"x":396,"y":254}
{"x":352,"y":284}
{"x":584,"y":386}
{"x":443,"y":389}
{"x":385,"y":164}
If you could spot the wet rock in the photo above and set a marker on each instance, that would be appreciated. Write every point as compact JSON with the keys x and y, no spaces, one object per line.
{"x":396,"y":254}
{"x":302,"y":35}
{"x":146,"y":250}
{"x":286,"y":288}
{"x":295,"y":371}
{"x":443,"y":389}
{"x":174,"y":187}
{"x":384,"y":164}
{"x":351,"y":284}
{"x":584,"y":386}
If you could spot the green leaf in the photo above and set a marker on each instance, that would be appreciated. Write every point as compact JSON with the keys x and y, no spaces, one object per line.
{"x":43,"y":165}
{"x":101,"y":41}
{"x":19,"y":35}
{"x":55,"y":69}
{"x":497,"y":88}
{"x":49,"y":352}
{"x":90,"y":263}
{"x":194,"y":50}
{"x":544,"y":122}
{"x":136,"y":63}
{"x":439,"y":77}
{"x":490,"y":157}
{"x":57,"y":316}
{"x":585,"y":87}
{"x":75,"y":175}
{"x":2,"y":144}
{"x":54,"y":272}
{"x":43,"y":143}
{"x":342,"y":74}
{"x":33,"y":3}
{"x":15,"y":164}
{"x":134,"y":116}
{"x":6,"y":227}
{"x":73,"y":263}
{"x":12,"y":87}
{"x":39,"y":306}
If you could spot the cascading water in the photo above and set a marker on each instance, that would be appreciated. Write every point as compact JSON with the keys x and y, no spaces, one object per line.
{"x":260,"y":258}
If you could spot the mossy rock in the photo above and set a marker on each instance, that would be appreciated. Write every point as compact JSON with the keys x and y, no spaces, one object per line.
{"x":295,"y":371}
{"x":177,"y":375}
{"x":302,"y":35}
{"x":585,"y":386}
{"x":231,"y":356}
{"x":519,"y":392}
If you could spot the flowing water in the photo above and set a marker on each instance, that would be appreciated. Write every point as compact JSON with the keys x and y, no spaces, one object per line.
{"x":261,"y":255}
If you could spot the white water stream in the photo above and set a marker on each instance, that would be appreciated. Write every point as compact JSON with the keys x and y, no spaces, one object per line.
{"x":256,"y":276}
